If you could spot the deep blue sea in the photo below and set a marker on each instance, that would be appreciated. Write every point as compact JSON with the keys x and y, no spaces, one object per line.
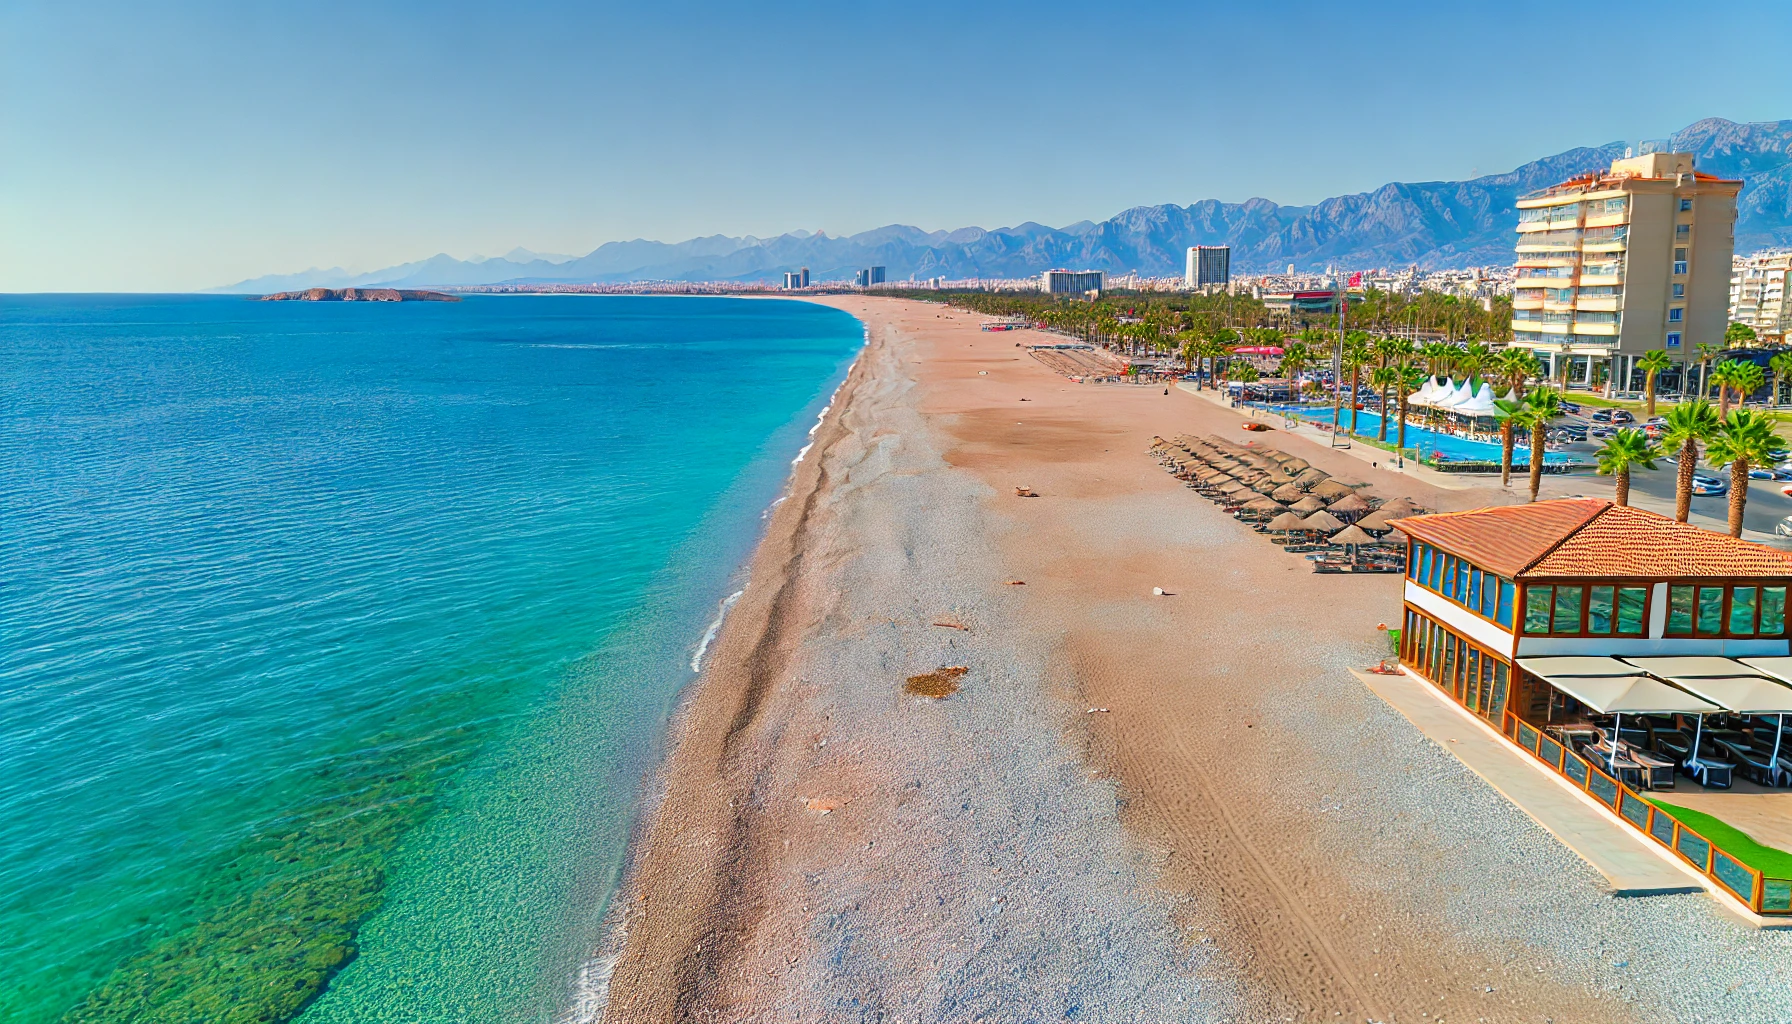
{"x":336,"y":639}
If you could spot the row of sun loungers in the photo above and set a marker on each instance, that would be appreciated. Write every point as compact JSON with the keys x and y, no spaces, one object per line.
{"x":1277,"y":493}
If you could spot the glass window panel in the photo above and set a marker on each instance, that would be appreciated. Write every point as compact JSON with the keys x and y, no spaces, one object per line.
{"x":1497,"y":709}
{"x":1599,"y":609}
{"x":1536,"y":609}
{"x":1711,"y":610}
{"x":1471,"y":694}
{"x":1680,"y":609}
{"x":1462,"y":569}
{"x":1432,"y":558}
{"x":1474,"y":588}
{"x":1490,"y":594}
{"x":1568,"y":610}
{"x":1773,"y":611}
{"x":1507,"y":594}
{"x":1449,"y":589}
{"x":1742,"y":611}
{"x":1631,"y":602}
{"x":1448,"y":675}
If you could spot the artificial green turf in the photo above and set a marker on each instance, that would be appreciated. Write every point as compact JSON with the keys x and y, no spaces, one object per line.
{"x":1772,"y":862}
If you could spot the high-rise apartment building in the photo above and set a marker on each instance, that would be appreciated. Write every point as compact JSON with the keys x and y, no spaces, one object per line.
{"x":870,"y":276}
{"x":1208,"y":265}
{"x":1071,"y":282}
{"x":1758,"y":295}
{"x":1613,"y":264}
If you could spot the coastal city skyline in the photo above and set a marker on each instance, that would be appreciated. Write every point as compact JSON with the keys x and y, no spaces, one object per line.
{"x":191,"y":148}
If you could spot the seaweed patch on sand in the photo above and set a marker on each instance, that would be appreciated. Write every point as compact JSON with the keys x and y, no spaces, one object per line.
{"x":938,"y":684}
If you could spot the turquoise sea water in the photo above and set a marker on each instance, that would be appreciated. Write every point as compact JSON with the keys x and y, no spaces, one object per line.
{"x":335,"y":639}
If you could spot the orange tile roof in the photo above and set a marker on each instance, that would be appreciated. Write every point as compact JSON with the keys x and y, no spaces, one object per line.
{"x":1632,"y":542}
{"x":1506,"y":538}
{"x":1587,"y":537}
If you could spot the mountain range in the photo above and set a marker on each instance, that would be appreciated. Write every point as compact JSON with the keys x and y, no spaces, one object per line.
{"x":1434,"y":224}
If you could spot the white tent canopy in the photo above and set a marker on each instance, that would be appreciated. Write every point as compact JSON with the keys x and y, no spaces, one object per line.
{"x":1747,"y":695}
{"x":1630,"y":695}
{"x":1428,"y":391}
{"x":1707,"y":665}
{"x":1480,"y":405}
{"x":1575,"y":665}
{"x":1778,"y":668}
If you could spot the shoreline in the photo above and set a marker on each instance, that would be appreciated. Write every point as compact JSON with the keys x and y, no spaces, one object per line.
{"x":1135,"y":808}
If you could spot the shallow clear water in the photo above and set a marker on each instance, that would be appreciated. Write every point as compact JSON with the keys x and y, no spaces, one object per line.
{"x":334,"y":638}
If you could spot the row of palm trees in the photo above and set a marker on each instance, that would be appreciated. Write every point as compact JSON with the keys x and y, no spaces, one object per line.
{"x":1743,"y":438}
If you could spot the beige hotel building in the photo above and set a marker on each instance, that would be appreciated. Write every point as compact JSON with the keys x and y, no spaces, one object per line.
{"x":1613,"y":264}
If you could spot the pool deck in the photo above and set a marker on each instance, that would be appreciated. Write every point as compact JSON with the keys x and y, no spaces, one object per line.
{"x":1631,"y":864}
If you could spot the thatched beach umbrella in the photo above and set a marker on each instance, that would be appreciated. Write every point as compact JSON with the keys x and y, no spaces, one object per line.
{"x":1398,"y":507}
{"x":1296,"y":465}
{"x":1323,"y":522}
{"x":1284,"y":523}
{"x":1261,"y":504}
{"x":1352,"y":537}
{"x":1309,"y":478}
{"x":1307,"y":504}
{"x":1264,"y":486}
{"x":1331,"y":490}
{"x":1232,"y":487}
{"x":1350,"y":507}
{"x":1375,"y":522}
{"x":1287,"y":492}
{"x":1277,"y":456}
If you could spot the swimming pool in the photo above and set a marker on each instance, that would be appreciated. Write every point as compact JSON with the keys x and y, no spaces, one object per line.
{"x":1429,"y":443}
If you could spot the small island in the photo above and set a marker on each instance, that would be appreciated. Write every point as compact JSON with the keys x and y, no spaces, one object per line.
{"x":360,"y":295}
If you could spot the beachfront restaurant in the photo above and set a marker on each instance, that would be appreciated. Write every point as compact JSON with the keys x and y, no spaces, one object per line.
{"x":1627,"y":652}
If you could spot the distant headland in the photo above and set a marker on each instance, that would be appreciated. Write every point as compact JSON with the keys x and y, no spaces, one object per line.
{"x":360,"y":295}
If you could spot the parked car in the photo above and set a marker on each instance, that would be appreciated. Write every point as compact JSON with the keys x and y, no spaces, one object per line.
{"x":1620,"y":416}
{"x":1705,"y":485}
{"x":1601,"y":433}
{"x":1573,"y":407}
{"x":1601,"y":416}
{"x":1784,"y":527}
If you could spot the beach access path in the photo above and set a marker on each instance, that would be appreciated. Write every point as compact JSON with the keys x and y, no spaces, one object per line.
{"x":1135,"y":807}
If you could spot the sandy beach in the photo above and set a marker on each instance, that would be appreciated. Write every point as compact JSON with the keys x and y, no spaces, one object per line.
{"x":1135,"y":807}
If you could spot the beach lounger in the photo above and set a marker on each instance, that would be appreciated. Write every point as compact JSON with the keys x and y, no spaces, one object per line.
{"x":1754,"y":763}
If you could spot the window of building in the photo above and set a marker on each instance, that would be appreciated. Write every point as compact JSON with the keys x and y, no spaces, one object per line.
{"x":1680,"y":609}
{"x":1685,"y":205}
{"x":1682,"y":232}
{"x":1673,"y":339}
{"x":1676,"y":314}
{"x":1599,"y":609}
{"x":1568,"y":603}
{"x":1679,"y":290}
{"x":1742,"y":611}
{"x":1631,"y":603}
{"x":1711,"y":610}
{"x":1679,"y":261}
{"x":1537,"y":602}
{"x":1503,"y":614}
{"x":1773,"y":611}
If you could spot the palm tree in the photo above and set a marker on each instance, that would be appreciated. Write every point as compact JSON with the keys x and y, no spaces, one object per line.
{"x":1738,"y":335}
{"x":1389,"y":351}
{"x":1296,"y":356}
{"x":1356,"y":356}
{"x":1438,"y":355}
{"x":1707,"y":352}
{"x":1745,"y":439}
{"x":1383,"y":379}
{"x":1652,"y":363}
{"x":1541,"y":406}
{"x":1744,"y":378}
{"x":1688,"y":424}
{"x":1511,"y":414}
{"x":1516,"y":365}
{"x":1628,"y":447}
{"x":1411,"y":378}
{"x":1781,"y":367}
{"x":1188,"y":352}
{"x":1473,"y":358}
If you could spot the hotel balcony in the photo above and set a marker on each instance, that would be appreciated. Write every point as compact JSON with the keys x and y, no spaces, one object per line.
{"x":1596,"y":329}
{"x":1598,"y":303}
{"x":1527,"y":303}
{"x":1563,"y":260}
{"x":1605,"y":240}
{"x":1550,"y":241}
{"x":1607,"y":220}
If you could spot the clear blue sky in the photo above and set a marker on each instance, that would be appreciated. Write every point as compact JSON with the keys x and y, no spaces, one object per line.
{"x":171,"y":146}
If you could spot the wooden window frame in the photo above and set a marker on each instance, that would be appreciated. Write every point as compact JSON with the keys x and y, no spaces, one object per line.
{"x":1729,"y":589}
{"x":1616,"y":583}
